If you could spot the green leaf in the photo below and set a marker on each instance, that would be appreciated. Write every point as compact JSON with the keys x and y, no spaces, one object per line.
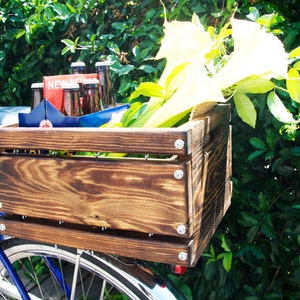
{"x":293,"y":84}
{"x":68,"y":42}
{"x":196,"y":20}
{"x":65,"y":50}
{"x":250,"y":220}
{"x":147,"y":69}
{"x":269,"y":20}
{"x":174,"y":73}
{"x":295,"y":151}
{"x":253,"y":13}
{"x":148,"y":89}
{"x":132,"y":113}
{"x":245,"y":109}
{"x":61,"y":10}
{"x":297,"y":65}
{"x":255,"y":154}
{"x":255,"y":86}
{"x":257,"y":251}
{"x":270,"y":138}
{"x":227,"y":260}
{"x":295,"y":53}
{"x":268,"y":230}
{"x":278,"y":110}
{"x":124,"y":70}
{"x":224,"y":243}
{"x":258,"y":143}
{"x":20,"y":33}
{"x":209,"y":271}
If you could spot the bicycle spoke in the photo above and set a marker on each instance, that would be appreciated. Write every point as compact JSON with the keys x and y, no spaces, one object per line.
{"x":75,"y":275}
{"x":50,"y":272}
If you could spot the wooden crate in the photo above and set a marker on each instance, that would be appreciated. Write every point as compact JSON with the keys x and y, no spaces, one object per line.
{"x":163,"y":205}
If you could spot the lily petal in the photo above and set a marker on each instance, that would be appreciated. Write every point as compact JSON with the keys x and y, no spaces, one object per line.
{"x":183,"y":42}
{"x":194,"y":87}
{"x":256,"y":52}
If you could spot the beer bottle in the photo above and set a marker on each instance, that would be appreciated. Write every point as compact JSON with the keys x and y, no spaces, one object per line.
{"x":106,"y":92}
{"x":78,"y":67}
{"x":37,"y":89}
{"x":91,"y":101}
{"x":71,"y":104}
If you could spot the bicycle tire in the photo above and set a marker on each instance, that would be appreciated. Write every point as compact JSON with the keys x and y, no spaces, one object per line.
{"x":97,"y":274}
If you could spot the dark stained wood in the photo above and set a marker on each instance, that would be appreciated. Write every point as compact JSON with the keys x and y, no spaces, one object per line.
{"x":133,"y":198}
{"x":140,"y":247}
{"x":96,"y":139}
{"x":131,"y":195}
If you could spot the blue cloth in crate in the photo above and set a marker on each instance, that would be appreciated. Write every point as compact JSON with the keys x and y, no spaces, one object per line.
{"x":47,"y":111}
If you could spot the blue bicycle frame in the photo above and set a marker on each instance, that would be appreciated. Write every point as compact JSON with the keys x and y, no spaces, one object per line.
{"x":13,"y":274}
{"x":18,"y":283}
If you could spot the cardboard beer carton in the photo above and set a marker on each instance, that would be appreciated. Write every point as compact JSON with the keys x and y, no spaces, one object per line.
{"x":53,"y":86}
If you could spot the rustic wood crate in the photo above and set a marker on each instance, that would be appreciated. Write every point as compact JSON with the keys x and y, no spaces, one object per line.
{"x":162,"y":209}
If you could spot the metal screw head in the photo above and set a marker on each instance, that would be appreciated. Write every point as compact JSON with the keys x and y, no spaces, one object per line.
{"x":182,"y":256}
{"x":2,"y":227}
{"x":181,"y":229}
{"x":179,"y":144}
{"x":178,"y":174}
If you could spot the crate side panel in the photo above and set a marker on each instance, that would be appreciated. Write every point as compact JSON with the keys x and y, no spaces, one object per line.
{"x":125,"y":140}
{"x":212,"y":196}
{"x":145,"y":248}
{"x":135,"y":195}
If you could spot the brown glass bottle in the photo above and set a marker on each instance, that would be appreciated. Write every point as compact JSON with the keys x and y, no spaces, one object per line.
{"x":37,"y":89}
{"x":71,"y":104}
{"x":78,"y":67}
{"x":91,"y":101}
{"x":106,"y":91}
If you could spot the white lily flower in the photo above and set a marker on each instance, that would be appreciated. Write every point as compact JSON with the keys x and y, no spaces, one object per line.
{"x":183,"y":42}
{"x":193,"y":87}
{"x":256,"y":53}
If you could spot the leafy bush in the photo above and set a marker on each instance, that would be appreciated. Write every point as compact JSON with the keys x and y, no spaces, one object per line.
{"x":255,"y":252}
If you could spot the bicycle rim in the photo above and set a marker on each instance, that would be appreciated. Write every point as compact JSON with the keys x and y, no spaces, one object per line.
{"x":73,"y":275}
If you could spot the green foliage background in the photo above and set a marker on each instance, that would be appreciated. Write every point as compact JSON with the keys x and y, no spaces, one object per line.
{"x":255,"y":251}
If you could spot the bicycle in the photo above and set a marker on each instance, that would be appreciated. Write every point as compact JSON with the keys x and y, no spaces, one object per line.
{"x":41,"y":267}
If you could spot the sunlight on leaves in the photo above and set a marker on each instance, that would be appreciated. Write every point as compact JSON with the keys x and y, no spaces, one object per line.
{"x":278,"y":109}
{"x":293,"y":84}
{"x":245,"y":109}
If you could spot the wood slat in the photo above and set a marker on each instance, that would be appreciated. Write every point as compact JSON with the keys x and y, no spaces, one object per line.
{"x":149,"y":140}
{"x":132,"y":195}
{"x":125,"y":140}
{"x":139,"y":247}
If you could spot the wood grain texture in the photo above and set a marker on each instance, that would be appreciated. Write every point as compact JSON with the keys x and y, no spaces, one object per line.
{"x":121,"y":140}
{"x":140,"y":247}
{"x":139,"y":196}
{"x":133,"y":197}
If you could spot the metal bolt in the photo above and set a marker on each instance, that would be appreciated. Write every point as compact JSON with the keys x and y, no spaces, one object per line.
{"x":2,"y":227}
{"x":181,"y":229}
{"x":182,"y":255}
{"x":179,"y":144}
{"x":178,"y":174}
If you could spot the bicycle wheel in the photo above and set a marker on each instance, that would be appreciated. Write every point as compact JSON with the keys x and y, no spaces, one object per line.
{"x":52,"y":272}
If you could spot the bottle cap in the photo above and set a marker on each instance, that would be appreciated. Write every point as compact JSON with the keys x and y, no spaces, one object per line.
{"x":70,"y":85}
{"x":103,"y":63}
{"x":90,"y":81}
{"x":37,"y":85}
{"x":77,"y":64}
